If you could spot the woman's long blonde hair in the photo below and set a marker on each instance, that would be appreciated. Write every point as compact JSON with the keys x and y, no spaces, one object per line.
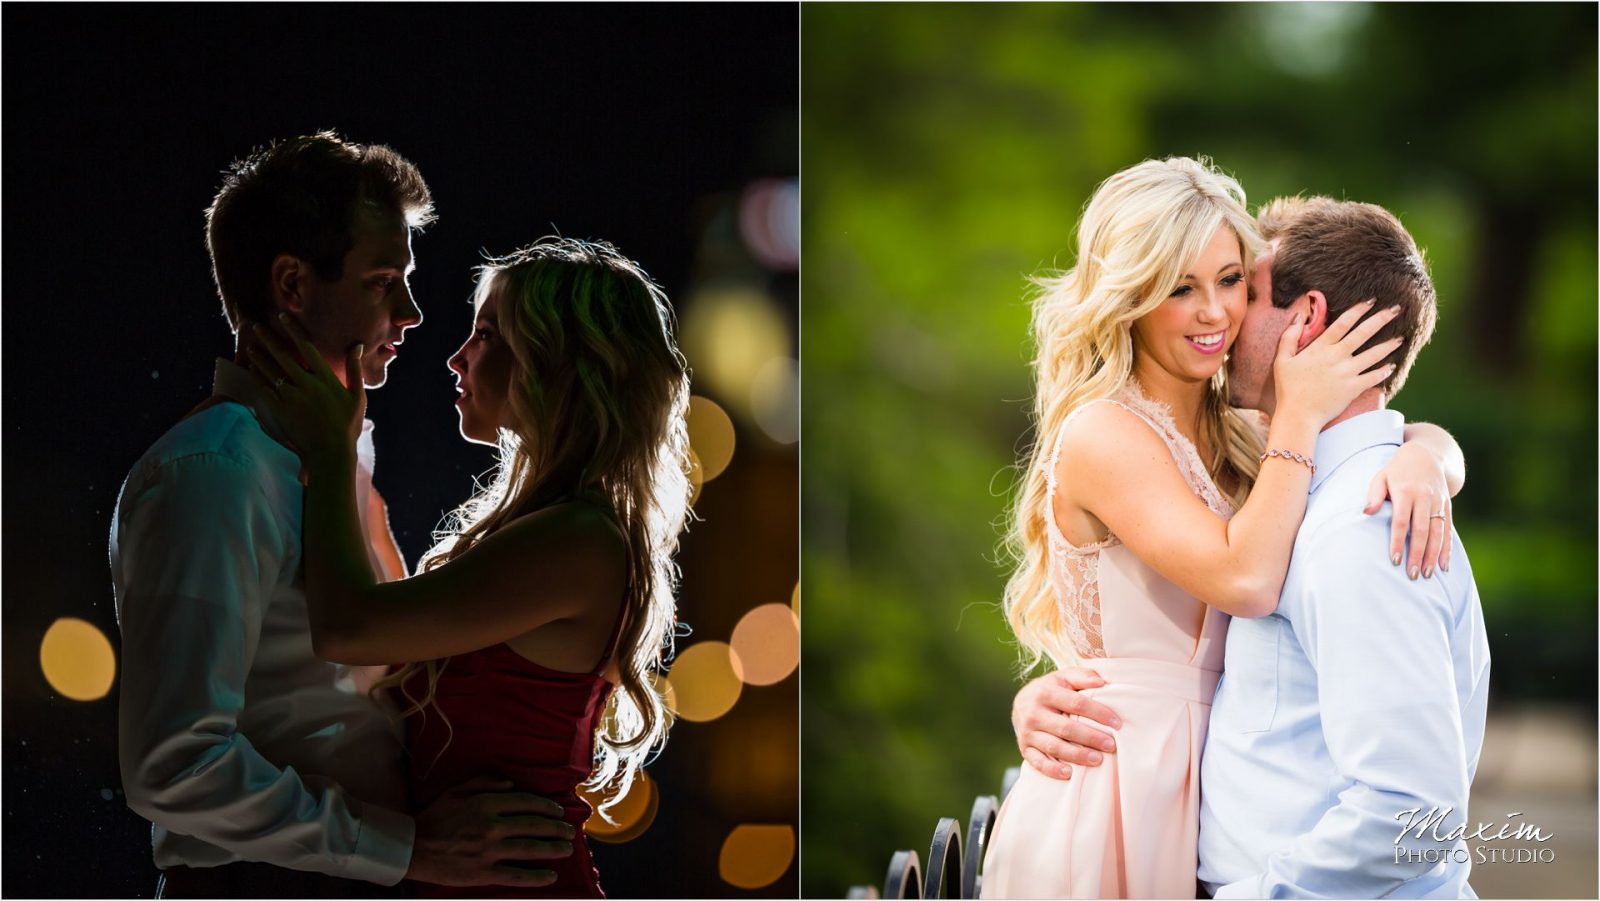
{"x":1140,"y":232}
{"x":598,"y":399}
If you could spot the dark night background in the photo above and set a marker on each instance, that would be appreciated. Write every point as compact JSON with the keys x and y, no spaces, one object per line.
{"x":640,"y":125}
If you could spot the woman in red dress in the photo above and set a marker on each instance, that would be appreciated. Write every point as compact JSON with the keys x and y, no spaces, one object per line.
{"x":530,"y":631}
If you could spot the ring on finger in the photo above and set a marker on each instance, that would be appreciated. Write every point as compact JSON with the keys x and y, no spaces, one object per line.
{"x":1437,"y":516}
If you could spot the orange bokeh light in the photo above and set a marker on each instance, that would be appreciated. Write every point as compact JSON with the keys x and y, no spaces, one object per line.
{"x":629,"y":818}
{"x":767,"y":642}
{"x":705,"y":680}
{"x":755,"y":856}
{"x":710,"y":436}
{"x":77,"y":659}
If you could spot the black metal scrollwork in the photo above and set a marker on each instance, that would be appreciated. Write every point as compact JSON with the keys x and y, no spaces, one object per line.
{"x":951,"y":874}
{"x":945,"y":863}
{"x":979,"y":825}
{"x":905,"y":876}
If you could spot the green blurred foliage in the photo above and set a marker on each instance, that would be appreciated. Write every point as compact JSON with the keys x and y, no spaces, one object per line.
{"x":947,"y":152}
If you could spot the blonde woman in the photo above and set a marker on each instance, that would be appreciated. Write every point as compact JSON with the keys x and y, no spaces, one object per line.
{"x":1149,"y":515}
{"x":529,"y":634}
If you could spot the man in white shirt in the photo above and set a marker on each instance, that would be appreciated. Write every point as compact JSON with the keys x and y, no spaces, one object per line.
{"x":264,"y":770}
{"x":1346,"y":730}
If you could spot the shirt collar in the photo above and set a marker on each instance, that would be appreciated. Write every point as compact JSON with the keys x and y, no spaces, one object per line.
{"x":235,"y":383}
{"x":1343,"y":441}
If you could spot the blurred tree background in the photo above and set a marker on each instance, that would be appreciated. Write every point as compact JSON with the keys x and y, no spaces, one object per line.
{"x":947,"y":153}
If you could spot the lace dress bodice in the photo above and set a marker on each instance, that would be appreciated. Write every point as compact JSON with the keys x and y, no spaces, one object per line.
{"x":1075,"y":569}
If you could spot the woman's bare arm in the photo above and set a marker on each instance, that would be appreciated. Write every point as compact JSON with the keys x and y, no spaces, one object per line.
{"x":1123,"y":474}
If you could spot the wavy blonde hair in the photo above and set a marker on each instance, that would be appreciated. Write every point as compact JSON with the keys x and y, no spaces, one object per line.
{"x":598,"y":399}
{"x":1140,"y":232}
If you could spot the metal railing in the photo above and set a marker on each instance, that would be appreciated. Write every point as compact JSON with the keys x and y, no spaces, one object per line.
{"x":951,"y":873}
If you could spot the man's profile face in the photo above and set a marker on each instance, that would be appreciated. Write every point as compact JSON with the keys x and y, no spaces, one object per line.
{"x":1250,"y":384}
{"x":371,"y":301}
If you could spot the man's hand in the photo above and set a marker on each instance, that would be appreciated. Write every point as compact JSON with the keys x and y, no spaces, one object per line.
{"x":1047,"y":735}
{"x":476,"y":833}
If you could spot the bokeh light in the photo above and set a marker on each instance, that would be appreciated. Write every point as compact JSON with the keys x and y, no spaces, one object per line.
{"x":706,"y":680}
{"x":697,"y":477}
{"x":77,"y":659}
{"x":669,"y":695}
{"x":794,"y":599}
{"x":630,"y":817}
{"x":754,"y":856}
{"x":769,"y":222}
{"x":767,"y":643}
{"x":710,"y":436}
{"x":729,"y":333}
{"x":775,"y":399}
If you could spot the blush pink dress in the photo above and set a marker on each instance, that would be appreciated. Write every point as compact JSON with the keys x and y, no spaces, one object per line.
{"x":1127,"y":828}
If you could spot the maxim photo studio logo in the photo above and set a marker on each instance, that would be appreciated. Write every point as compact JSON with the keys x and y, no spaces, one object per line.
{"x":1432,"y":826}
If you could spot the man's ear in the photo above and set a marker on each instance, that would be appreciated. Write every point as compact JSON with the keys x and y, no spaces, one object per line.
{"x":289,"y":274}
{"x":1316,"y":318}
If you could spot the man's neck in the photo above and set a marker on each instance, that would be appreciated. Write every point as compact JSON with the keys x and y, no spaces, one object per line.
{"x":242,"y":360}
{"x":1365,"y":402}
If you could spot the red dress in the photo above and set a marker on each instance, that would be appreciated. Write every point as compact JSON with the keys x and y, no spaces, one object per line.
{"x":513,"y":719}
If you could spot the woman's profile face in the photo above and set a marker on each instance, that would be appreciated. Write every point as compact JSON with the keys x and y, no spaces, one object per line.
{"x":1189,"y":334}
{"x":483,"y":367}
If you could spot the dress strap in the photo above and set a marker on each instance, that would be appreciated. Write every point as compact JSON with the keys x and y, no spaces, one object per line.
{"x":1055,"y":458}
{"x":1050,"y":479}
{"x":1053,"y":529}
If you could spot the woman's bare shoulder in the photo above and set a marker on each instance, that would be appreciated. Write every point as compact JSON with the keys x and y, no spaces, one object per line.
{"x":579,"y":522}
{"x":1105,"y":433}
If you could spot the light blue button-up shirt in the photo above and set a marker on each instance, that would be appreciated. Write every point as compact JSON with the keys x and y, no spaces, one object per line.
{"x":235,"y":741}
{"x":1360,"y":699}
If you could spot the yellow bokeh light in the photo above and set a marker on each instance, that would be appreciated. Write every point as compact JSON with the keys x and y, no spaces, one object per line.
{"x":77,"y":659}
{"x":775,"y":399}
{"x":668,"y":695}
{"x":729,"y":333}
{"x":756,"y":856}
{"x":767,"y":642}
{"x":697,"y":478}
{"x":629,"y":818}
{"x":705,"y":680}
{"x":710,"y":436}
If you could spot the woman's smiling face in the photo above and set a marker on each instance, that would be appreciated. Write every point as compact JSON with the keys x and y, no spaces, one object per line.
{"x":1189,"y":334}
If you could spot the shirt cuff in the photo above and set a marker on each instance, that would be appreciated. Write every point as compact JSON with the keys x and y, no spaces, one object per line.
{"x":383,"y":847}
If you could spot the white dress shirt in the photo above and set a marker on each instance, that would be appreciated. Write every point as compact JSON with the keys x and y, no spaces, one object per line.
{"x":236,"y":741}
{"x":1362,"y":697}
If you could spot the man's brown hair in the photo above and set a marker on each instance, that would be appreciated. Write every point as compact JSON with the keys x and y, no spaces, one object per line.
{"x":302,"y":196}
{"x":1351,"y":252}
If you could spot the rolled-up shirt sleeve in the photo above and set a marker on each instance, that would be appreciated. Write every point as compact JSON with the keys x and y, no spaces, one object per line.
{"x":1390,"y":713}
{"x":198,"y":553}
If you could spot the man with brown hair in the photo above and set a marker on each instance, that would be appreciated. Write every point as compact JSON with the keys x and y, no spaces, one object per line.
{"x":265,"y":771}
{"x":1345,"y":732}
{"x":1334,"y":254}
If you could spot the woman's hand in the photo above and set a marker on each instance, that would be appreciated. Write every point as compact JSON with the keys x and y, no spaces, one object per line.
{"x":1320,"y":381}
{"x":320,"y":417}
{"x":1415,"y":481}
